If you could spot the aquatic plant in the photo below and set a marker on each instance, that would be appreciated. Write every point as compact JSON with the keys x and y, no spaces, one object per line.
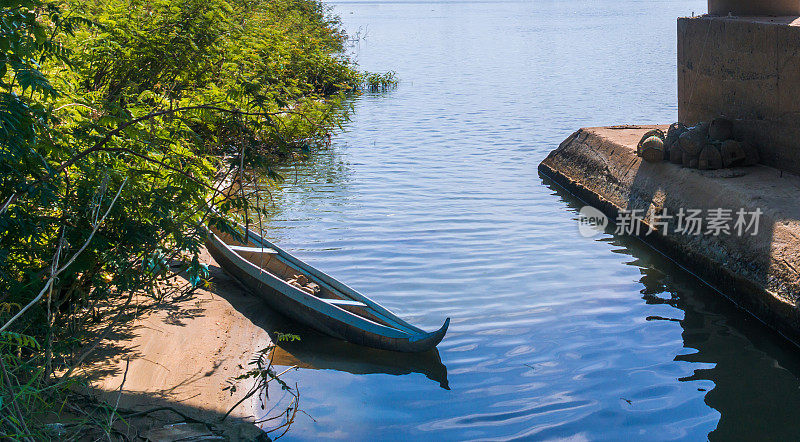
{"x":374,"y":82}
{"x":260,"y":376}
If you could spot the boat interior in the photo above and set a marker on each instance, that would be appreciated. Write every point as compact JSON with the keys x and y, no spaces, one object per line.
{"x":269,"y":260}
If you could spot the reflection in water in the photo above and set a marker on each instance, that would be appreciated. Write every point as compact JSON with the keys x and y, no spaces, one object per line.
{"x":431,"y":205}
{"x":755,"y":372}
{"x":327,"y":170}
{"x":317,"y":351}
{"x":320,"y":352}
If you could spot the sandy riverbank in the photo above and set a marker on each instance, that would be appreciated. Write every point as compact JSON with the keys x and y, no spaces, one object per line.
{"x":182,"y":355}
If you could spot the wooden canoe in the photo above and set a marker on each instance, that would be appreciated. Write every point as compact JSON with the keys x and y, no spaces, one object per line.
{"x":315,"y":299}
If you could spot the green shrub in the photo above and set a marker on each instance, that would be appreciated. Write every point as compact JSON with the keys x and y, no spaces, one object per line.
{"x":119,"y":119}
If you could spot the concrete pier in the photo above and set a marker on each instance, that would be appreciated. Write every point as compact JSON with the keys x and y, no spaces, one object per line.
{"x":761,"y":272}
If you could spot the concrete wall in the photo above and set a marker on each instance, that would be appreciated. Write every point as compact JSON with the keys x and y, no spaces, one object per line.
{"x":747,"y":69}
{"x":754,"y":7}
{"x":760,"y":272}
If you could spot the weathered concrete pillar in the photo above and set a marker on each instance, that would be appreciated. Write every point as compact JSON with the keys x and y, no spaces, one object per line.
{"x":754,"y":7}
{"x":747,"y":69}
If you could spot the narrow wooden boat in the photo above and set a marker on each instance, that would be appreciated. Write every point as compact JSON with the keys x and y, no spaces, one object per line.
{"x":315,"y":299}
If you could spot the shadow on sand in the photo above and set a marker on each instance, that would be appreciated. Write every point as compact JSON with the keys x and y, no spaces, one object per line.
{"x":313,"y":351}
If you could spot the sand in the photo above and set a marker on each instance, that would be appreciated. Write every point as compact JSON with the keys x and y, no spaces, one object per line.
{"x":183,"y":355}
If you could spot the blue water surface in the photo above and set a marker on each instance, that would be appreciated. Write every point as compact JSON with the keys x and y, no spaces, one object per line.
{"x":430,"y":203}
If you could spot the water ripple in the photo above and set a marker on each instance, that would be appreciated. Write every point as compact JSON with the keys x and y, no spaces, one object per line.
{"x":431,"y":204}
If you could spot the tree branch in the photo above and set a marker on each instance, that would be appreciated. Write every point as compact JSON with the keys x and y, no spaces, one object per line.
{"x":97,"y":146}
{"x":54,"y":273}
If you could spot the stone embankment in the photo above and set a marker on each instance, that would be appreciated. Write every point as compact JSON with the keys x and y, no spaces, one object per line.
{"x":757,"y":269}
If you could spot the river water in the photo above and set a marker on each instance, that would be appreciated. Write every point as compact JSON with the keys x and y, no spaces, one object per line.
{"x":430,"y":203}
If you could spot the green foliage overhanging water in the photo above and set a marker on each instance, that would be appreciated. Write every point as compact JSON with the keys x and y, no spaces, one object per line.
{"x":118,"y":119}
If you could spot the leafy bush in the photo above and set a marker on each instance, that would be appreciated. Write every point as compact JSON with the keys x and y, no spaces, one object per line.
{"x":119,"y":120}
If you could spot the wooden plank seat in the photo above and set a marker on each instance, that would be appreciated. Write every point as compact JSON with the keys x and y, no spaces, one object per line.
{"x":344,"y":302}
{"x":243,"y":249}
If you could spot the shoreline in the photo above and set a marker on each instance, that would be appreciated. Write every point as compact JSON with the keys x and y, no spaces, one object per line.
{"x":758,"y":273}
{"x":182,"y":355}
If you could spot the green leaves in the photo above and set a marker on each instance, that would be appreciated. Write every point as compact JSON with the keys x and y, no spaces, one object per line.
{"x":18,"y":340}
{"x":28,"y":76}
{"x":374,"y":82}
{"x":287,"y":337}
{"x":93,"y":90}
{"x":169,"y":97}
{"x":197,"y":272}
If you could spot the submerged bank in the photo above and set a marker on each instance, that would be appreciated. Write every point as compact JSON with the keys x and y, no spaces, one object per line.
{"x":757,"y":268}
